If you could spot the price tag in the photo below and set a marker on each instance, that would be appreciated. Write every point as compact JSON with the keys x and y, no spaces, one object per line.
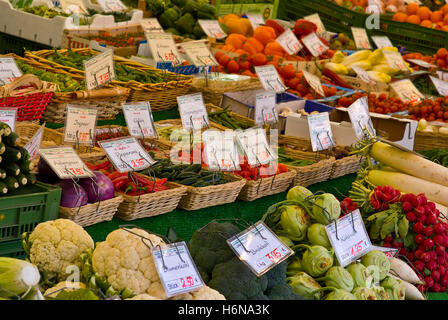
{"x":126,"y":154}
{"x":163,"y":48}
{"x":314,"y":44}
{"x":8,"y":116}
{"x":265,"y":108}
{"x":199,"y":54}
{"x":192,"y":111}
{"x":151,"y":25}
{"x":374,"y":6}
{"x":112,"y":5}
{"x":65,"y":162}
{"x":360,"y":118}
{"x":289,"y":42}
{"x":314,"y":82}
{"x":176,"y":269}
{"x":441,"y":86}
{"x":259,"y":248}
{"x":362,"y":74}
{"x":8,"y":70}
{"x":320,"y":131}
{"x":442,"y":75}
{"x":382,"y":41}
{"x":212,"y":29}
{"x":361,"y":38}
{"x":389,"y":252}
{"x":422,"y":63}
{"x":315,"y":18}
{"x":270,"y":79}
{"x":34,"y":144}
{"x":139,"y":119}
{"x":395,"y":61}
{"x":255,"y":19}
{"x":99,"y":69}
{"x":255,"y":145}
{"x":406,"y":91}
{"x":80,"y":125}
{"x":349,"y":238}
{"x":220,"y":150}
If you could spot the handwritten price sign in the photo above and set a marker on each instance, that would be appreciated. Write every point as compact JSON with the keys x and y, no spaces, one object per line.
{"x":255,"y":145}
{"x":99,"y":70}
{"x":65,"y":162}
{"x":265,"y":108}
{"x":192,"y":111}
{"x":361,"y":38}
{"x":8,"y":70}
{"x":163,"y":48}
{"x":80,"y":125}
{"x":382,"y":42}
{"x":289,"y":42}
{"x":220,"y":150}
{"x":320,"y":131}
{"x":112,"y":5}
{"x":212,"y":28}
{"x":139,"y":119}
{"x":314,"y":44}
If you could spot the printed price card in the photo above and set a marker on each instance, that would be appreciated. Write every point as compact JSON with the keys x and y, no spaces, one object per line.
{"x":212,"y":28}
{"x":8,"y":70}
{"x":265,"y":112}
{"x":176,"y":269}
{"x":395,"y":61}
{"x":126,"y":154}
{"x":320,"y":131}
{"x":199,"y":54}
{"x":163,"y":48}
{"x":349,"y":238}
{"x":406,"y":90}
{"x":389,"y":252}
{"x":315,"y":18}
{"x":422,"y":63}
{"x":80,"y":125}
{"x":220,"y":150}
{"x":361,"y":38}
{"x":360,"y":118}
{"x":139,"y":119}
{"x":259,"y":248}
{"x":314,"y":82}
{"x":289,"y":42}
{"x":441,"y":86}
{"x":65,"y":162}
{"x":151,"y":25}
{"x":99,"y":69}
{"x":255,"y":145}
{"x":362,"y":74}
{"x":382,"y":41}
{"x":112,"y":5}
{"x":192,"y":111}
{"x":255,"y":19}
{"x":314,"y":44}
{"x":34,"y":144}
{"x":270,"y":79}
{"x":8,"y":116}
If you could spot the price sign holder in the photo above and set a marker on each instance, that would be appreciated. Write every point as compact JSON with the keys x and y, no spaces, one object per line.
{"x":99,"y":69}
{"x":406,"y":91}
{"x":349,"y":238}
{"x":151,"y":25}
{"x":212,"y":28}
{"x":220,"y":150}
{"x":289,"y":42}
{"x":270,"y":78}
{"x":34,"y":144}
{"x":199,"y":54}
{"x":361,"y":38}
{"x":320,"y":131}
{"x":193,"y":112}
{"x":265,"y":112}
{"x":8,"y":70}
{"x":136,"y":114}
{"x":360,"y":118}
{"x":163,"y":48}
{"x":9,"y":116}
{"x":314,"y":44}
{"x":441,"y":86}
{"x":382,"y":41}
{"x":80,"y":125}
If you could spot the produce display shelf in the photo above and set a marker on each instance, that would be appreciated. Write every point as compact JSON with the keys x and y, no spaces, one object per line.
{"x":12,"y":249}
{"x":268,"y":9}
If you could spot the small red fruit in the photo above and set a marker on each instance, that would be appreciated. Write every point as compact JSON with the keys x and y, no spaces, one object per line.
{"x":411,"y":256}
{"x":440,"y":250}
{"x":418,"y":228}
{"x":441,"y":270}
{"x":431,"y":265}
{"x":422,"y":199}
{"x":435,"y":275}
{"x":431,"y":219}
{"x":421,"y":218}
{"x":419,"y":211}
{"x":420,"y":265}
{"x":388,"y":238}
{"x":439,"y":228}
{"x":407,"y":206}
{"x":411,"y":216}
{"x":418,"y":253}
{"x":432,"y":205}
{"x":414,"y":201}
{"x":428,"y":243}
{"x":426,"y":257}
{"x":429,"y":282}
{"x":427,"y":231}
{"x":435,"y":288}
{"x":439,"y":240}
{"x":419,"y":238}
{"x":387,"y":245}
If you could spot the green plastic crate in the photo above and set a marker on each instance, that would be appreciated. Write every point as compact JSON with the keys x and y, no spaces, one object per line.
{"x":23,"y":210}
{"x":13,"y":44}
{"x":268,"y":9}
{"x":12,"y":249}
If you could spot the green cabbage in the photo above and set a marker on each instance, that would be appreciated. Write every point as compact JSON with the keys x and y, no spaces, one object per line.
{"x":325,"y":208}
{"x":379,"y":259}
{"x":316,"y":260}
{"x":304,"y":285}
{"x":298,"y":193}
{"x":318,"y":236}
{"x":359,"y":274}
{"x":339,"y":278}
{"x":394,"y":287}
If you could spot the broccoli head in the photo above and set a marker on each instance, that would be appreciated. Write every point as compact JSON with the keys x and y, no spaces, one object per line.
{"x":277,"y":275}
{"x":283,"y":291}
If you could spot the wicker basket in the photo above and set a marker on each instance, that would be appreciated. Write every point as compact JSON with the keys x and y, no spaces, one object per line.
{"x":88,"y":214}
{"x":267,"y":186}
{"x":429,"y":140}
{"x":214,"y":108}
{"x":344,"y":166}
{"x":161,"y":95}
{"x":314,"y":173}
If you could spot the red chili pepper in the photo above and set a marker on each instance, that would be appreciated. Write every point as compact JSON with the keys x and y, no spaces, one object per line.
{"x":130,"y":187}
{"x":120,"y":182}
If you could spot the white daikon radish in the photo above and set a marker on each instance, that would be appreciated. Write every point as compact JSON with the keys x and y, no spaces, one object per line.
{"x":411,"y":291}
{"x":404,"y":271}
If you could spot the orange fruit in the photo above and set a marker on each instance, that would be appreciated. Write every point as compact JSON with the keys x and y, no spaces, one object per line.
{"x":436,"y":16}
{"x":412,"y":9}
{"x":426,"y":23}
{"x":423,"y":13}
{"x":445,"y":20}
{"x":400,"y":17}
{"x":445,"y":28}
{"x":444,"y":9}
{"x":413,"y":19}
{"x":442,"y":53}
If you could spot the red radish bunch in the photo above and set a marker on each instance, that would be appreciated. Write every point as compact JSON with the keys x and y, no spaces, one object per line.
{"x":347,"y":206}
{"x":382,"y":197}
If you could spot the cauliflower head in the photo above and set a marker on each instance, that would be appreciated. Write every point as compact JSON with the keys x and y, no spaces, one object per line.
{"x":56,"y":245}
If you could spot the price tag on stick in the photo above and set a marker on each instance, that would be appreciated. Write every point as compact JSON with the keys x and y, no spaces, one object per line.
{"x":8,"y":70}
{"x":441,"y":86}
{"x":382,"y":42}
{"x":176,"y":269}
{"x":270,"y":78}
{"x":259,"y":248}
{"x":212,"y":28}
{"x":314,"y":44}
{"x":320,"y":131}
{"x":199,"y":54}
{"x":192,"y":111}
{"x":349,"y":238}
{"x":363,"y":75}
{"x":220,"y":150}
{"x":8,"y":116}
{"x":265,"y":112}
{"x":361,"y":38}
{"x":314,"y":82}
{"x":80,"y":125}
{"x":422,"y":63}
{"x":151,"y":25}
{"x":360,"y":118}
{"x":65,"y":162}
{"x":34,"y":144}
{"x":99,"y":69}
{"x":139,"y":119}
{"x":254,"y":143}
{"x":289,"y":42}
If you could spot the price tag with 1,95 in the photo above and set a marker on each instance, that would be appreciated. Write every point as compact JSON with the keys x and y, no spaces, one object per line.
{"x":382,"y":41}
{"x":255,"y":19}
{"x":151,"y":25}
{"x":112,"y":5}
{"x":8,"y":116}
{"x":265,"y":112}
{"x":441,"y":86}
{"x":320,"y":131}
{"x":314,"y":83}
{"x":361,"y":38}
{"x":212,"y":28}
{"x":8,"y":70}
{"x":395,"y":60}
{"x":360,"y":118}
{"x":65,"y":162}
{"x":406,"y":91}
{"x":220,"y":150}
{"x":176,"y":268}
{"x":289,"y":42}
{"x":80,"y":125}
{"x":99,"y":69}
{"x":199,"y":54}
{"x":126,"y":154}
{"x":314,"y":44}
{"x":349,"y":238}
{"x":139,"y":119}
{"x":254,"y":143}
{"x":270,"y":78}
{"x":315,"y":18}
{"x":34,"y":144}
{"x":259,"y":248}
{"x":192,"y":111}
{"x":163,"y":48}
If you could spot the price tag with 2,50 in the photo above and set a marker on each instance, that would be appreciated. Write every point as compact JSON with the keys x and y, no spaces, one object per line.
{"x":176,"y":268}
{"x":265,"y":112}
{"x":441,"y":86}
{"x":65,"y":162}
{"x":34,"y":144}
{"x":254,"y":143}
{"x":360,"y":118}
{"x":163,"y":48}
{"x":126,"y":154}
{"x":361,"y":38}
{"x":270,"y":78}
{"x":220,"y":150}
{"x":99,"y":69}
{"x":112,"y":5}
{"x":151,"y":25}
{"x":139,"y":119}
{"x":349,"y":238}
{"x":382,"y":42}
{"x":8,"y":70}
{"x":259,"y":248}
{"x":8,"y":116}
{"x":320,"y":131}
{"x":199,"y":54}
{"x":314,"y":44}
{"x":406,"y":91}
{"x":289,"y":42}
{"x":212,"y":28}
{"x":192,"y":111}
{"x":80,"y":125}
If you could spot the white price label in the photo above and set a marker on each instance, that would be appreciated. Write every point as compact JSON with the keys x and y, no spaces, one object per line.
{"x":8,"y":70}
{"x":349,"y":238}
{"x":374,"y":6}
{"x":112,"y":5}
{"x":254,"y":143}
{"x":259,"y":248}
{"x":441,"y":86}
{"x":139,"y":119}
{"x":289,"y":42}
{"x":163,"y":48}
{"x":220,"y":150}
{"x":315,"y":18}
{"x":192,"y":111}
{"x":360,"y":118}
{"x":176,"y":269}
{"x":265,"y":112}
{"x":320,"y":131}
{"x":314,"y":82}
{"x":34,"y":144}
{"x":80,"y":125}
{"x":361,"y":38}
{"x":212,"y":28}
{"x":151,"y":25}
{"x":442,"y":75}
{"x":382,"y":42}
{"x":270,"y":78}
{"x":395,"y":60}
{"x":389,"y":252}
{"x":99,"y":69}
{"x":422,"y":63}
{"x":256,"y":19}
{"x":199,"y":54}
{"x":65,"y":162}
{"x":8,"y":116}
{"x":126,"y":154}
{"x":406,"y":91}
{"x":314,"y":44}
{"x":362,"y":74}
